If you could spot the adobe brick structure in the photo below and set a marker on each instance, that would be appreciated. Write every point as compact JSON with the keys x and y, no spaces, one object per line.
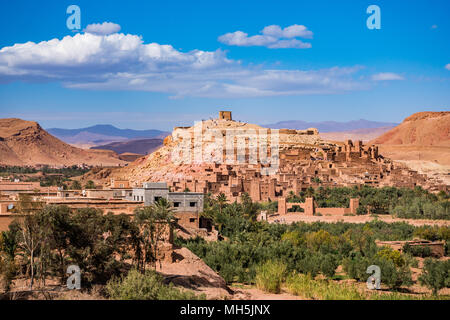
{"x":310,"y":209}
{"x":436,"y":247}
{"x":120,"y":184}
{"x":305,"y":160}
{"x":300,"y":168}
{"x":225,"y":115}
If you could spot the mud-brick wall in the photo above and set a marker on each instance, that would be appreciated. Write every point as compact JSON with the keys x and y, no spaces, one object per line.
{"x":332,"y":211}
{"x":5,"y":220}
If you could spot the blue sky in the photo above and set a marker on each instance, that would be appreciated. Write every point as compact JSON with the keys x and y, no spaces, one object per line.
{"x":335,"y":68}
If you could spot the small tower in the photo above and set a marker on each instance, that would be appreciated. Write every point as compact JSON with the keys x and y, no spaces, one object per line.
{"x":225,"y":115}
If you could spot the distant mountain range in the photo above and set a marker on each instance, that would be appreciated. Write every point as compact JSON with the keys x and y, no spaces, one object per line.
{"x":103,"y":134}
{"x":137,"y":146}
{"x":330,"y":126}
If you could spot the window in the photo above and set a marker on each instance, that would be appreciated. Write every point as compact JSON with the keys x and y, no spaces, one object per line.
{"x":193,"y":204}
{"x":157,"y":199}
{"x":192,"y":220}
{"x":176,"y":204}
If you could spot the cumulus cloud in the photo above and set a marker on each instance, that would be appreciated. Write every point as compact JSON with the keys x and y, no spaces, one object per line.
{"x":104,"y":28}
{"x":386,"y":76}
{"x":124,"y":62}
{"x":447,"y":66}
{"x":272,"y":36}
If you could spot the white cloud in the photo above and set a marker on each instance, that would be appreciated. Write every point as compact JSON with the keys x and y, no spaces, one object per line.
{"x":434,"y":26}
{"x":288,"y":32}
{"x":124,"y":62}
{"x":386,"y":76}
{"x":272,"y":36}
{"x":447,"y":66}
{"x":104,"y":28}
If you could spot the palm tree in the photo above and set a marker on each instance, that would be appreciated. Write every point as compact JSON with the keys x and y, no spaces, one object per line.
{"x":309,"y":192}
{"x":164,"y":210}
{"x":221,"y":201}
{"x":153,"y":222}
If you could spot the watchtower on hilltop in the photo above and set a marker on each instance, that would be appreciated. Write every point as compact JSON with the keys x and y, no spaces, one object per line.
{"x":225,"y":115}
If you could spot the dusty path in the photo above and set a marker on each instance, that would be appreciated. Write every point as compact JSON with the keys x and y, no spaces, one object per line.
{"x":299,"y":217}
{"x":252,"y":293}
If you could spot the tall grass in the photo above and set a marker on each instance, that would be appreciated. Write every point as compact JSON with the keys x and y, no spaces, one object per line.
{"x":270,"y":275}
{"x":305,"y":286}
{"x":309,"y":288}
{"x":146,"y":286}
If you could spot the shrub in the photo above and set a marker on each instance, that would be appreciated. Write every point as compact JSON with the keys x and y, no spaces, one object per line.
{"x":8,"y":271}
{"x":294,"y":237}
{"x":310,"y":264}
{"x":392,"y":255}
{"x":391,"y":275}
{"x":436,"y":274}
{"x":418,"y":251}
{"x":270,"y":275}
{"x":328,"y":265}
{"x":355,"y":266}
{"x":145,"y":286}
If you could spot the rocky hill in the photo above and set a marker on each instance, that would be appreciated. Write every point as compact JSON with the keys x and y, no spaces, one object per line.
{"x":421,"y":129}
{"x":160,"y":165}
{"x":27,"y":143}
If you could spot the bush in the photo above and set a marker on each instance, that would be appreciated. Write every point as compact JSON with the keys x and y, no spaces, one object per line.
{"x":8,"y":271}
{"x":392,"y":255}
{"x":270,"y":275}
{"x":436,"y":274}
{"x":418,"y":251}
{"x":145,"y":286}
{"x":392,"y":275}
{"x":90,"y":185}
{"x":310,"y":264}
{"x":328,"y":265}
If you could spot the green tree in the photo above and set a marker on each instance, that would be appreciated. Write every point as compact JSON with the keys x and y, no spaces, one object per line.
{"x":154,"y":222}
{"x":90,"y":185}
{"x":435,"y":275}
{"x":76,"y":185}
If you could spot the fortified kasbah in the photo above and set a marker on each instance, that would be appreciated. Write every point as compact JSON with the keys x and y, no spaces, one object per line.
{"x":230,"y":157}
{"x":304,"y":160}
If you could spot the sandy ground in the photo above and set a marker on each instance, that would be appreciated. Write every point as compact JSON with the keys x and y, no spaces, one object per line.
{"x":243,"y":292}
{"x":299,"y":217}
